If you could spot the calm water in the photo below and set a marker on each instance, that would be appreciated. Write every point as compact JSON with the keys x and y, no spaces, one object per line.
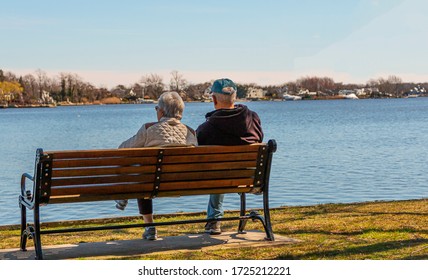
{"x":328,"y":151}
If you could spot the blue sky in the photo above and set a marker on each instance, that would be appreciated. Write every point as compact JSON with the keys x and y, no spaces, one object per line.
{"x":265,"y":42}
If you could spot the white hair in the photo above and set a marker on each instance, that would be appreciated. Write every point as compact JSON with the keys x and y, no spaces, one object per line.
{"x":228,"y":99}
{"x":171,"y":104}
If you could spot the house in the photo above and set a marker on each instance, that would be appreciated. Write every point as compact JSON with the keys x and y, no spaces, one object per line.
{"x":255,"y":93}
{"x":360,"y":92}
{"x":416,"y":91}
{"x":46,"y":98}
{"x":306,"y":92}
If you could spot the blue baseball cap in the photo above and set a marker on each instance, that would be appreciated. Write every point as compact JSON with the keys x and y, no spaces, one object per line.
{"x":224,"y":86}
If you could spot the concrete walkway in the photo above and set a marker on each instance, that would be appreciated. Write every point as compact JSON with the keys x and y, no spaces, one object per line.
{"x":136,"y":247}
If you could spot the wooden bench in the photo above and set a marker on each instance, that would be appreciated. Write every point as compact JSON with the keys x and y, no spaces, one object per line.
{"x":98,"y":175}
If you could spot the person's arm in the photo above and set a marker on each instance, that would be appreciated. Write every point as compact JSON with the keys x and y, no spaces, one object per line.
{"x":200,"y":135}
{"x":191,"y":137}
{"x":258,"y":127}
{"x":136,"y":141}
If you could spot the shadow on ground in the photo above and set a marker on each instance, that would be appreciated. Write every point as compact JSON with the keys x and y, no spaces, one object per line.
{"x":138,"y":247}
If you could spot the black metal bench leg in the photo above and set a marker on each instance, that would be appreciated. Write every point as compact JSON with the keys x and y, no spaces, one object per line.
{"x":38,"y":247}
{"x":37,"y":239}
{"x":242,"y":223}
{"x":23,"y":244}
{"x":267,"y":223}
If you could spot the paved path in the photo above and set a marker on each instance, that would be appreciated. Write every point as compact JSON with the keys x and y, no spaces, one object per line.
{"x":112,"y":249}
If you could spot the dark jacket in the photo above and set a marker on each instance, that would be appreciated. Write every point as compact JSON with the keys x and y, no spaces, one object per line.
{"x":238,"y":126}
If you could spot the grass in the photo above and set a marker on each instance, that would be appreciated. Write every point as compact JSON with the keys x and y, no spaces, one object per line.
{"x":395,"y":230}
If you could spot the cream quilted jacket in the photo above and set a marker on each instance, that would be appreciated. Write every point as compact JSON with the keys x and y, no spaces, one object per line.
{"x":166,"y":132}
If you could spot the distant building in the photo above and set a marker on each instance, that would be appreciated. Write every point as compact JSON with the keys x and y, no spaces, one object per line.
{"x":306,"y":92}
{"x":416,"y":91}
{"x":360,"y":92}
{"x":303,"y":92}
{"x":255,"y":93}
{"x":132,"y":93}
{"x":46,"y":98}
{"x":346,"y":91}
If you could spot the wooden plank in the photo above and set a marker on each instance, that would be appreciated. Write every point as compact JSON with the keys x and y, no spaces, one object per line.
{"x":146,"y":187}
{"x":168,"y":186}
{"x":150,"y":169}
{"x":151,"y":151}
{"x":147,"y":178}
{"x":111,"y":161}
{"x":206,"y":191}
{"x":134,"y":152}
{"x":212,"y":149}
{"x":89,"y":198}
{"x":144,"y":178}
{"x":101,"y":190}
{"x":99,"y":197}
{"x":208,"y":166}
{"x":210,"y":158}
{"x":102,"y":171}
{"x":207,"y":175}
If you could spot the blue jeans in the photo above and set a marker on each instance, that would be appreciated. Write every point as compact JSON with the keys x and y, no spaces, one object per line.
{"x":215,"y":206}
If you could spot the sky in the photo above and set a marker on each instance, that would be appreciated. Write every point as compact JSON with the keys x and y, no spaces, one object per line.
{"x":265,"y":42}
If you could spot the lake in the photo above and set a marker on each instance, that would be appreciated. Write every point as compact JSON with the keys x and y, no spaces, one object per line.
{"x":335,"y":151}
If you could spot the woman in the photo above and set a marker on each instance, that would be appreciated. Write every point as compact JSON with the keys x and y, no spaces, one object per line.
{"x":167,"y":131}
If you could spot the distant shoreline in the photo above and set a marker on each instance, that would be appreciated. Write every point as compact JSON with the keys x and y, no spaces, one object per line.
{"x":99,"y":103}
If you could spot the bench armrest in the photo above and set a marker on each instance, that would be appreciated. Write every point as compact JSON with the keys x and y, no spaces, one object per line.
{"x":27,"y":196}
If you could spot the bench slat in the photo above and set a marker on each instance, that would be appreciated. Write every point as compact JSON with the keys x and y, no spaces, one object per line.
{"x":210,"y":158}
{"x":141,"y":178}
{"x":140,"y":188}
{"x":146,"y":178}
{"x":212,"y":150}
{"x":205,"y":184}
{"x":207,"y":175}
{"x":208,"y":166}
{"x":103,"y":153}
{"x":103,"y":171}
{"x":102,"y":190}
{"x":86,"y":198}
{"x":150,"y":151}
{"x":151,"y":168}
{"x":117,"y":161}
{"x":112,"y":161}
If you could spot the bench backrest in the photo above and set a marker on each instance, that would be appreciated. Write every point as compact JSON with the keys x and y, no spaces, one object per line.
{"x":93,"y":175}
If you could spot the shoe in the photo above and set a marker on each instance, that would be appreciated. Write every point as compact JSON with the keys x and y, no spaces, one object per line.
{"x":150,"y":233}
{"x":121,"y":204}
{"x":213,"y":228}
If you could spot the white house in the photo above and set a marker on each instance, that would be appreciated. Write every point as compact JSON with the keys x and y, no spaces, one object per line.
{"x":46,"y":98}
{"x":255,"y":93}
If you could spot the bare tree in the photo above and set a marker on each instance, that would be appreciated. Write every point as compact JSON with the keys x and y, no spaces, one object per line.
{"x":177,"y":82}
{"x":152,"y":85}
{"x":395,"y":85}
{"x":43,"y":82}
{"x":31,"y":88}
{"x":316,"y":84}
{"x":72,"y":87}
{"x":2,"y":77}
{"x":197,"y":91}
{"x":392,"y":86}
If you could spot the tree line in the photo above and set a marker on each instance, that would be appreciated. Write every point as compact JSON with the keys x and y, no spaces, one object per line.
{"x":38,"y":88}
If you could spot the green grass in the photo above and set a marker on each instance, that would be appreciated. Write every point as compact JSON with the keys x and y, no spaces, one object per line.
{"x":373,"y":230}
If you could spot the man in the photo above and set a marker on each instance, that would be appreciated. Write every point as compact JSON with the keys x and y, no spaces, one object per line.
{"x":228,"y":124}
